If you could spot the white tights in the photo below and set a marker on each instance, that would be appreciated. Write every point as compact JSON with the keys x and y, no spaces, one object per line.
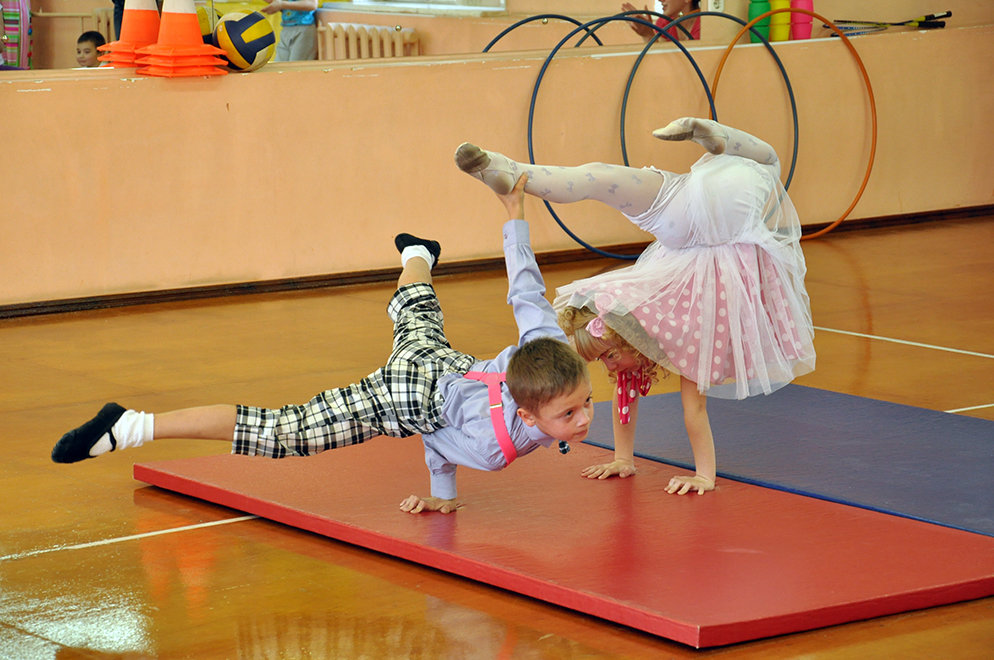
{"x":627,"y":189}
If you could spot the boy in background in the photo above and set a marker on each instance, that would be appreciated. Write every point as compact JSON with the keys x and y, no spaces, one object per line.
{"x":86,"y":48}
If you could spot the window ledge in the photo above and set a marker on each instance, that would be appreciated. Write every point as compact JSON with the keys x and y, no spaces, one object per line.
{"x":424,"y":8}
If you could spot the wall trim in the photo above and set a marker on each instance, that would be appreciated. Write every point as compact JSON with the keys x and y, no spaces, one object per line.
{"x":377,"y":276}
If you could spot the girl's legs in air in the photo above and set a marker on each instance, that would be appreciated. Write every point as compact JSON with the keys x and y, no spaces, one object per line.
{"x":627,"y":189}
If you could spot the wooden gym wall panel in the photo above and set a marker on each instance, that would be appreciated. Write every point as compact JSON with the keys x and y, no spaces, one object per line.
{"x":117,"y":184}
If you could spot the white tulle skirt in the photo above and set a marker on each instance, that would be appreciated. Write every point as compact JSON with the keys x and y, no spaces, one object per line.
{"x":719,"y":297}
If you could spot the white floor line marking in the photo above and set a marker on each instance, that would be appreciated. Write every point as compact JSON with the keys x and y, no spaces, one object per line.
{"x":902,"y":341}
{"x":980,"y":407}
{"x":121,"y":539}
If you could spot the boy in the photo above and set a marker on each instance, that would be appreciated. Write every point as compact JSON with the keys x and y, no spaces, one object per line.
{"x":86,"y":48}
{"x":426,"y":387}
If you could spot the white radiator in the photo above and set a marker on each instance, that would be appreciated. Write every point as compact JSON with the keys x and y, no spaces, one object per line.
{"x":353,"y":41}
{"x":104,"y":19}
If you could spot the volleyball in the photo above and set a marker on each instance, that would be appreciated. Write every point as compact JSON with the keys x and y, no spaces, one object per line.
{"x":207,"y":21}
{"x":247,"y":39}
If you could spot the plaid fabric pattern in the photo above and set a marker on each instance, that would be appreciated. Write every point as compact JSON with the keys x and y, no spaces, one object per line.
{"x":399,"y":399}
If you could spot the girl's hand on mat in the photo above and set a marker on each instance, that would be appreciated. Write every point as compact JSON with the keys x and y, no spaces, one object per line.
{"x":415,"y":504}
{"x":683,"y":485}
{"x":621,"y":468}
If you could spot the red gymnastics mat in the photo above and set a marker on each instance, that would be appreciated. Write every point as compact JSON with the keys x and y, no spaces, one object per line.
{"x":741,"y":563}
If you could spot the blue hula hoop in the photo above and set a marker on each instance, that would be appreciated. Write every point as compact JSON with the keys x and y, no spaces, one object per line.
{"x":676,"y":23}
{"x":660,"y":32}
{"x":537,"y":17}
{"x":538,"y":83}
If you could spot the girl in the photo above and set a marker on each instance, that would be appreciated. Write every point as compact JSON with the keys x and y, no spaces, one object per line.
{"x":672,"y":10}
{"x":718,"y":298}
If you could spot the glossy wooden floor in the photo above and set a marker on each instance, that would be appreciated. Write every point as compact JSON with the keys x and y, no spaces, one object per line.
{"x":96,"y":565}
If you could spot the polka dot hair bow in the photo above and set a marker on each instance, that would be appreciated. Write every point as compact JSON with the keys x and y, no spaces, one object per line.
{"x":596,"y":327}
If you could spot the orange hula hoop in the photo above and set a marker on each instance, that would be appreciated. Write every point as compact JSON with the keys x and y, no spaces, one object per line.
{"x":869,"y":93}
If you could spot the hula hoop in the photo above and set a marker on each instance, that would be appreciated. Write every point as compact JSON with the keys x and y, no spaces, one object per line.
{"x":538,"y":83}
{"x":537,"y":17}
{"x":869,"y":93}
{"x":769,"y":47}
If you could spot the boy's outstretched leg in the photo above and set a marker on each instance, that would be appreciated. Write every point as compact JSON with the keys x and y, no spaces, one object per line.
{"x":629,"y":190}
{"x":115,"y":428}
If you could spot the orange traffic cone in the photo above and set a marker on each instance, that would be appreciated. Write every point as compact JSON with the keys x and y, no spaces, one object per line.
{"x":180,"y":49}
{"x":139,"y":28}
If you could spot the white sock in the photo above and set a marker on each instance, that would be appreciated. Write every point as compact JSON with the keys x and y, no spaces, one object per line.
{"x":133,"y":430}
{"x":412,"y":251}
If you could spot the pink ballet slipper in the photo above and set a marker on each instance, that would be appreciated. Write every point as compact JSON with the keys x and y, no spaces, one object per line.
{"x":491,"y":168}
{"x":707,"y":133}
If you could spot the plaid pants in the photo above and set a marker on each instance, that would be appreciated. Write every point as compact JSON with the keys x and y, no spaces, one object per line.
{"x":399,"y":399}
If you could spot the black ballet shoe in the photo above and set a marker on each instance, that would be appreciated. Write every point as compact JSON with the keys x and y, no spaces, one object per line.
{"x":75,"y":446}
{"x":406,"y":240}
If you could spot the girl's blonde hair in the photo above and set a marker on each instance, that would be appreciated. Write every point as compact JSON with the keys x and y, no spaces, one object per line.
{"x":574,"y":320}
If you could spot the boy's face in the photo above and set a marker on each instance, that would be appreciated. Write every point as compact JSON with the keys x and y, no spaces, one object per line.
{"x":567,"y":417}
{"x":86,"y":54}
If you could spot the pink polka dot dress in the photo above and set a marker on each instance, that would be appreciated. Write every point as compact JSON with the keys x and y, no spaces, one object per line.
{"x":719,"y":297}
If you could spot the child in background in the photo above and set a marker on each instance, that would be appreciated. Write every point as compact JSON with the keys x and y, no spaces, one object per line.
{"x":672,"y":10}
{"x":456,"y":402}
{"x":298,"y":29}
{"x":86,"y":48}
{"x":718,"y":298}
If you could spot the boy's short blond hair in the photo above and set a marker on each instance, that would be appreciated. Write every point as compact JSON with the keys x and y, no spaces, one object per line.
{"x":542,"y":369}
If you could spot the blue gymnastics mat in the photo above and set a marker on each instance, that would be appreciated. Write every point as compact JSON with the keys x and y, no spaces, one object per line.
{"x":922,"y":464}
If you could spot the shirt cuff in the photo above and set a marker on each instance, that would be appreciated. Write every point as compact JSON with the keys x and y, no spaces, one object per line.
{"x":443,"y":484}
{"x":516,"y":232}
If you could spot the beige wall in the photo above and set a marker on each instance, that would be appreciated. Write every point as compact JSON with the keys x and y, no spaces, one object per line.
{"x":115,"y":183}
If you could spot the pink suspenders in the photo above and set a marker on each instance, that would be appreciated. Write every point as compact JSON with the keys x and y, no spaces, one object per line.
{"x":493,"y":381}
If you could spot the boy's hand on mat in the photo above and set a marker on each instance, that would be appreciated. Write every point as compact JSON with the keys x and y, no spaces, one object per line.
{"x":683,"y":485}
{"x":618,"y":467}
{"x":415,"y":504}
